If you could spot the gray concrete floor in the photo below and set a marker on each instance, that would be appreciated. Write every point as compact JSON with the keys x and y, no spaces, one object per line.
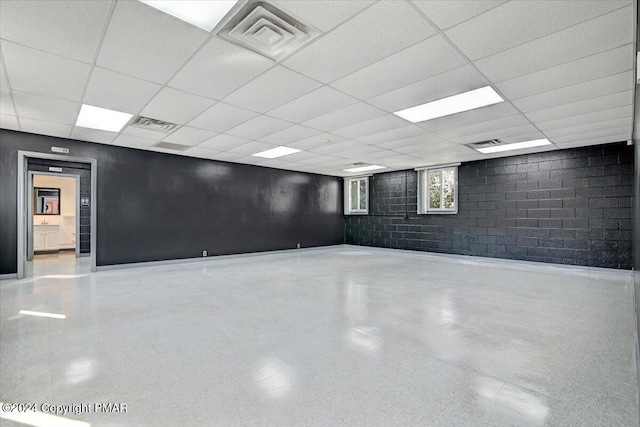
{"x":335,"y":336}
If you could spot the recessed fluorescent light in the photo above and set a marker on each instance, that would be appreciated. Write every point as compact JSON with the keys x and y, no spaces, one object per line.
{"x":43,"y":314}
{"x":102,"y":118}
{"x":451,"y":105}
{"x":276,"y":152}
{"x":364,"y":168}
{"x":203,"y":14}
{"x":515,"y":146}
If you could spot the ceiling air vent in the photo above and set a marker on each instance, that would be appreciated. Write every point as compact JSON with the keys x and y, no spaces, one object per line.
{"x":171,"y":146}
{"x":485,"y":144}
{"x":153,"y":124}
{"x":267,"y":30}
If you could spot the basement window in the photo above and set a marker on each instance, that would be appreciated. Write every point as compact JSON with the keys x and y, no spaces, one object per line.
{"x":356,"y":191}
{"x":438,"y":190}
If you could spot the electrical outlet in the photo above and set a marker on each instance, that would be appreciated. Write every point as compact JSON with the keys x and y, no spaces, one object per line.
{"x":298,"y":245}
{"x":204,"y":253}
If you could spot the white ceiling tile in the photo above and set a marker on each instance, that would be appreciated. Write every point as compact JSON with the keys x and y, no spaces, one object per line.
{"x":42,"y":73}
{"x":258,"y":127}
{"x":271,"y":89}
{"x":497,"y":133}
{"x":595,"y":141}
{"x":199,"y":152}
{"x":315,"y":141}
{"x":518,"y":22}
{"x":45,"y":128}
{"x":466,"y":118}
{"x":320,"y":159}
{"x":314,"y":104}
{"x":581,"y":91}
{"x":133,"y":142}
{"x":589,"y":68}
{"x":175,"y":106}
{"x":4,"y":82}
{"x":252,"y":147}
{"x":524,"y":137}
{"x":447,"y":13}
{"x":338,"y":148}
{"x":377,"y":32}
{"x":462,"y":79}
{"x":347,"y":116}
{"x":143,"y":133}
{"x":143,"y":42}
{"x":164,"y":150}
{"x":324,"y":14}
{"x":228,"y":156}
{"x":598,"y":126}
{"x":393,"y":135}
{"x":93,"y":135}
{"x":189,"y":136}
{"x":223,"y":142}
{"x":46,"y":109}
{"x":108,"y":89}
{"x":6,"y":105}
{"x":597,"y":35}
{"x":587,"y":118}
{"x":219,"y":68}
{"x":424,"y":59}
{"x":222,"y":117}
{"x":369,"y":127}
{"x":418,"y":143}
{"x":68,"y":28}
{"x":9,"y":122}
{"x":290,"y":134}
{"x":581,"y":107}
{"x":302,"y":156}
{"x":486,"y":126}
{"x":625,"y":130}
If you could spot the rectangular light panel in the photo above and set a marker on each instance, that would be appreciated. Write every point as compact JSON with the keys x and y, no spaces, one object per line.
{"x":454,"y":104}
{"x":203,"y":14}
{"x":102,"y":118}
{"x":364,"y":168}
{"x":276,"y":152}
{"x":515,"y":146}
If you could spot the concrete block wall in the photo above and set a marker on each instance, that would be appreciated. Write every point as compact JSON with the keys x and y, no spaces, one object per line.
{"x":570,"y":206}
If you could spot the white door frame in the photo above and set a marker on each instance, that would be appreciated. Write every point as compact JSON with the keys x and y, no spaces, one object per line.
{"x":23,"y":207}
{"x":30,"y":210}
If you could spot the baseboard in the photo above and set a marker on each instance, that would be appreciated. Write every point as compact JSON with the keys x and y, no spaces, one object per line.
{"x":9,"y":276}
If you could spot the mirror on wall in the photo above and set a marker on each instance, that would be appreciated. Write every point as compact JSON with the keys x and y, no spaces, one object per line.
{"x":46,"y":201}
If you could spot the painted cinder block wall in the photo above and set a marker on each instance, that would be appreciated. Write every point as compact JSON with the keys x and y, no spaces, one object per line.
{"x":572,"y":206}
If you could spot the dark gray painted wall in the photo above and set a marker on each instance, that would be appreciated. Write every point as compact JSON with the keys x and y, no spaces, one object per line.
{"x":568,"y":206}
{"x":155,"y":206}
{"x":84,"y":170}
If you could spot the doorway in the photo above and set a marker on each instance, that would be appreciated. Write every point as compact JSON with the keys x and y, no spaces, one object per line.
{"x":56,"y":233}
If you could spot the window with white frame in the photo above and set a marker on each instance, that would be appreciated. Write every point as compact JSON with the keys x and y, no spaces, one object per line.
{"x":356,"y":191}
{"x":438,"y":190}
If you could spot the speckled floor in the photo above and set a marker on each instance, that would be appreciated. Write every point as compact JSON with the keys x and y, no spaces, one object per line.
{"x":336,"y":336}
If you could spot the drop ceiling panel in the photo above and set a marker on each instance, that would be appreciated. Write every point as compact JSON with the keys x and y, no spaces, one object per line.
{"x":133,"y":142}
{"x":69,"y":28}
{"x":222,"y":117}
{"x":498,"y":133}
{"x":370,"y":36}
{"x":591,"y":89}
{"x":467,"y":118}
{"x":143,"y":133}
{"x":324,"y":14}
{"x":447,"y":13}
{"x":315,"y":141}
{"x":4,"y":83}
{"x":626,"y":131}
{"x":290,"y":134}
{"x":93,"y":135}
{"x":314,"y":104}
{"x":598,"y":126}
{"x":424,"y":59}
{"x":223,"y":142}
{"x":523,"y":137}
{"x":199,"y":152}
{"x":189,"y":136}
{"x":589,"y":68}
{"x":42,"y":73}
{"x":369,"y":127}
{"x":581,"y":107}
{"x":271,"y":89}
{"x":46,"y":109}
{"x":424,"y":142}
{"x":108,"y":89}
{"x":175,"y":106}
{"x":393,"y":135}
{"x":148,"y":44}
{"x":228,"y":156}
{"x":347,"y":116}
{"x":258,"y":127}
{"x":45,"y":128}
{"x":338,"y":149}
{"x":9,"y":122}
{"x":597,"y":35}
{"x":453,"y":82}
{"x":587,"y":118}
{"x":595,"y":141}
{"x":6,"y":105}
{"x":515,"y":23}
{"x":486,"y":126}
{"x":252,"y":147}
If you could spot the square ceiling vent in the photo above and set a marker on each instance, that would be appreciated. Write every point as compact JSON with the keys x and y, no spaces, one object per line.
{"x":268,"y":31}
